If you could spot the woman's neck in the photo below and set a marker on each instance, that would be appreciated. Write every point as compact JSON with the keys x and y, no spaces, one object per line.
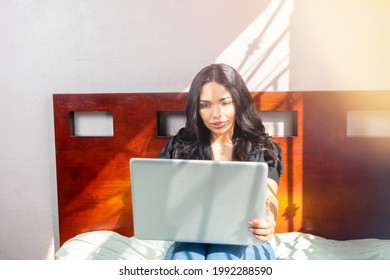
{"x":222,"y":148}
{"x":221,"y":141}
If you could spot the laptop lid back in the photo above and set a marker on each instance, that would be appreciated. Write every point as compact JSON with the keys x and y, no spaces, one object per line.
{"x":197,"y":201}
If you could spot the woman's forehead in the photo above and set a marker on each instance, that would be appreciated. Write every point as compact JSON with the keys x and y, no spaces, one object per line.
{"x":213,"y":91}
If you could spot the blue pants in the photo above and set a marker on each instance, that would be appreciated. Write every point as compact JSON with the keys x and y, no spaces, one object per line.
{"x":199,"y":251}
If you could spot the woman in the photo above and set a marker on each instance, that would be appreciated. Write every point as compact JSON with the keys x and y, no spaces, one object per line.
{"x":222,"y":124}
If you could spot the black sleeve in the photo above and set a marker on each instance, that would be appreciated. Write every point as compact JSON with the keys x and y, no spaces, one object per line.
{"x":275,"y":169}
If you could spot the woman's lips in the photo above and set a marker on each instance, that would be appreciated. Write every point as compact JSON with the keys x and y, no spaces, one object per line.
{"x":217,"y":125}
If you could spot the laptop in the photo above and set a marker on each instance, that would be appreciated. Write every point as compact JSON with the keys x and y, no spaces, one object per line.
{"x":197,"y":200}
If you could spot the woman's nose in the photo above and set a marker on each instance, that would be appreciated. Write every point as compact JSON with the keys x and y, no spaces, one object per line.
{"x":217,"y":112}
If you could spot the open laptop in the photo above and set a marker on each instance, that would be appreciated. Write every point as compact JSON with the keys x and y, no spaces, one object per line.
{"x":197,"y":200}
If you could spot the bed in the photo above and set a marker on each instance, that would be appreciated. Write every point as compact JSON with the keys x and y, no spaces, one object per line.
{"x":333,"y":196}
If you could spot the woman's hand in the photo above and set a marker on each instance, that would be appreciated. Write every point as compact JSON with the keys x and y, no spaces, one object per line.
{"x":264,"y":229}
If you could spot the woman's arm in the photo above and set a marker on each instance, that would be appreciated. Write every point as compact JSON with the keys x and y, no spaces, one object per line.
{"x":272,"y":190}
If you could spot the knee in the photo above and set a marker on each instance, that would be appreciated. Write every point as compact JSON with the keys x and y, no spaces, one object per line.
{"x":187,"y":251}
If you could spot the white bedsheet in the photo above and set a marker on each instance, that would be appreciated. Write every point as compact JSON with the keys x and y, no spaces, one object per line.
{"x":108,"y":245}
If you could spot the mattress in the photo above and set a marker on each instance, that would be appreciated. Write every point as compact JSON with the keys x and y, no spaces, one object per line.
{"x":109,"y":245}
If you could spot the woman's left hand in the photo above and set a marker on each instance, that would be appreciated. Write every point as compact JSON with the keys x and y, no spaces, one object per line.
{"x":263,"y":229}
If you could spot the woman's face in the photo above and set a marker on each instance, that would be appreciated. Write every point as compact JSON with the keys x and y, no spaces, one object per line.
{"x":217,"y":110}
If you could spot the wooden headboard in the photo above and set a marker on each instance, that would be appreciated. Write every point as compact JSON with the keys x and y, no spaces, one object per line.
{"x":334,"y":185}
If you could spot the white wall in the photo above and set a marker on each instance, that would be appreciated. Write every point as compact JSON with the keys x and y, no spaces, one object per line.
{"x":340,"y":45}
{"x":62,"y":46}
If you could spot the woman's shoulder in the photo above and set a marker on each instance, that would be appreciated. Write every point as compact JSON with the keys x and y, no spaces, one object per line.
{"x":273,"y":157}
{"x":175,"y":143}
{"x":167,"y":150}
{"x":268,"y":145}
{"x":276,"y":146}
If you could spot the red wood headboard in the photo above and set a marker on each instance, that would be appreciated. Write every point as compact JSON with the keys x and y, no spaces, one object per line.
{"x":334,"y":186}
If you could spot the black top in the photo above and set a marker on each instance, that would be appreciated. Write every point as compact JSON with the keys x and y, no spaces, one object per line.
{"x":274,"y":169}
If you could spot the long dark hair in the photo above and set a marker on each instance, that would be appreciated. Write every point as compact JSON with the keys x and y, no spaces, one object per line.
{"x":249,"y":137}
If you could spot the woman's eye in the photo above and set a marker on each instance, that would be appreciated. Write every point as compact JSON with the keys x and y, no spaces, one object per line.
{"x":204,"y":105}
{"x":226,"y":103}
